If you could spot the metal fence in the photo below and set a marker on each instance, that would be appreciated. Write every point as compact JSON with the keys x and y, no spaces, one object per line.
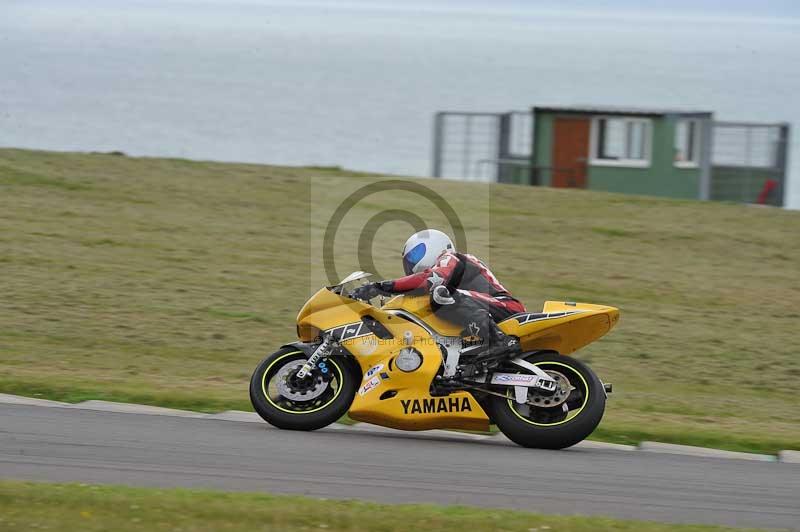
{"x":482,"y":146}
{"x":749,"y":162}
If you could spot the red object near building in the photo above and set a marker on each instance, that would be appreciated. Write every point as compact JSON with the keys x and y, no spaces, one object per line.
{"x":769,"y":186}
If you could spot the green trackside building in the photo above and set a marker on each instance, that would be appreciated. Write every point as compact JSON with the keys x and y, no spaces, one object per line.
{"x":658,"y":152}
{"x":637,"y":151}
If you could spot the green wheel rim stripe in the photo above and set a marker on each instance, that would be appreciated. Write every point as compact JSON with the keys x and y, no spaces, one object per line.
{"x":270,"y":401}
{"x":577,"y":413}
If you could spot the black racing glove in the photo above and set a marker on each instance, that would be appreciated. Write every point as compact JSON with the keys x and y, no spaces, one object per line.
{"x":370,"y":290}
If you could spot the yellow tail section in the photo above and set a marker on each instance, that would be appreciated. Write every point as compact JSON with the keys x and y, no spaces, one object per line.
{"x":561,"y":327}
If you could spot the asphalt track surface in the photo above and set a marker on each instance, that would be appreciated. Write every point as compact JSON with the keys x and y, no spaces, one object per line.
{"x":67,"y":444}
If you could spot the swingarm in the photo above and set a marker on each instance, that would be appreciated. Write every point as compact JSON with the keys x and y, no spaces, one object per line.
{"x":539,"y":380}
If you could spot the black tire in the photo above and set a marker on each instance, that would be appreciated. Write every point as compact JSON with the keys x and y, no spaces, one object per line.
{"x":284,"y":413}
{"x":551,"y":432}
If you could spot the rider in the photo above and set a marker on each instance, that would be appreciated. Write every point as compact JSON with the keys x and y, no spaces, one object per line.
{"x":463,"y":289}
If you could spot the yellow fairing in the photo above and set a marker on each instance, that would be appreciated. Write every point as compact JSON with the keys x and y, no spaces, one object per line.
{"x":420,"y":306}
{"x":393,"y":398}
{"x":403,"y":401}
{"x":582,"y":324}
{"x":585,"y":323}
{"x":326,"y":310}
{"x":407,"y":403}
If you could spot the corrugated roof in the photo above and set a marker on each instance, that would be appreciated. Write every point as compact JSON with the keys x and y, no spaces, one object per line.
{"x":619,"y":110}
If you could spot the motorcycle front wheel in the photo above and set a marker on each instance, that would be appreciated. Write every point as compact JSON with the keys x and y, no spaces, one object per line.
{"x":287,"y":402}
{"x":552,"y":421}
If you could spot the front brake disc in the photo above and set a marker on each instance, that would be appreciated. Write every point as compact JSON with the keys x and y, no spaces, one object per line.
{"x":306,"y":389}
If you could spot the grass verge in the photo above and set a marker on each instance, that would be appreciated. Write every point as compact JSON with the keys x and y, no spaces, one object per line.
{"x":164,"y":281}
{"x":73,"y":507}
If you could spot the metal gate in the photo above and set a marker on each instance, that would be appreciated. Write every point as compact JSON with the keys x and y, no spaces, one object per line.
{"x":494,"y":147}
{"x":749,"y":162}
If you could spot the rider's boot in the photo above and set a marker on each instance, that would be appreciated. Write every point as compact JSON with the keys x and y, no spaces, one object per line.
{"x":498,"y":346}
{"x":501,"y":346}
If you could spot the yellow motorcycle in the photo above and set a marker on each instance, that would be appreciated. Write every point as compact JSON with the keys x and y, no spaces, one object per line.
{"x":398,"y":365}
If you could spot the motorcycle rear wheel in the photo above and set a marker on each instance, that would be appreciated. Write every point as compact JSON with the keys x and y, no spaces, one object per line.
{"x":548,"y":425}
{"x":309,"y":404}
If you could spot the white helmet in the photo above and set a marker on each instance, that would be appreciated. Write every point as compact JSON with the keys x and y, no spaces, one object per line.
{"x":423,"y":248}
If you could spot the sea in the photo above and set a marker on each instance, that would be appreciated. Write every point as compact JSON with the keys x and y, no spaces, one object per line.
{"x":356,"y":83}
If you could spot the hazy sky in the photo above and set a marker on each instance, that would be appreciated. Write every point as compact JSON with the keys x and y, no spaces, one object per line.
{"x":759,"y":8}
{"x":677,"y":7}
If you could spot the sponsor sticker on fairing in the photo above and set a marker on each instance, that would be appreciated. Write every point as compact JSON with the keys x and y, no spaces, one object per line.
{"x":371,"y":372}
{"x":369,"y":386}
{"x":513,"y":378}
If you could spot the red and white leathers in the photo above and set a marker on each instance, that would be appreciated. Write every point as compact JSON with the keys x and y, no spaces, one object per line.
{"x":477,"y":288}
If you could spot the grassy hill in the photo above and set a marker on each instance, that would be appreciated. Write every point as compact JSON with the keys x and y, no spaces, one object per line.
{"x":165,"y":281}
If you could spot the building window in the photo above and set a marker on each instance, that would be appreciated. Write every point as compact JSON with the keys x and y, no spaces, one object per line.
{"x":621,"y":141}
{"x":687,"y":143}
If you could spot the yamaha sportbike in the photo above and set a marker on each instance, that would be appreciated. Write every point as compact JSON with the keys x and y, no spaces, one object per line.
{"x":398,"y":365}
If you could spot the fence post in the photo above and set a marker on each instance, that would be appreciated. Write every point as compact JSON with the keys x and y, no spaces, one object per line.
{"x":707,"y":144}
{"x":503,"y":147}
{"x":782,"y":161}
{"x":438,"y":134}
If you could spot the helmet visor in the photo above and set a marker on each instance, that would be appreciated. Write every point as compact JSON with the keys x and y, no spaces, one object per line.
{"x":411,"y":258}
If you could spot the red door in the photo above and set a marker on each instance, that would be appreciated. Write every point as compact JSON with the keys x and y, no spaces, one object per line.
{"x":570,"y":152}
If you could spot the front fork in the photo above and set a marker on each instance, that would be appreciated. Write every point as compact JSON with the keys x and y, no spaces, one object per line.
{"x":322,"y":350}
